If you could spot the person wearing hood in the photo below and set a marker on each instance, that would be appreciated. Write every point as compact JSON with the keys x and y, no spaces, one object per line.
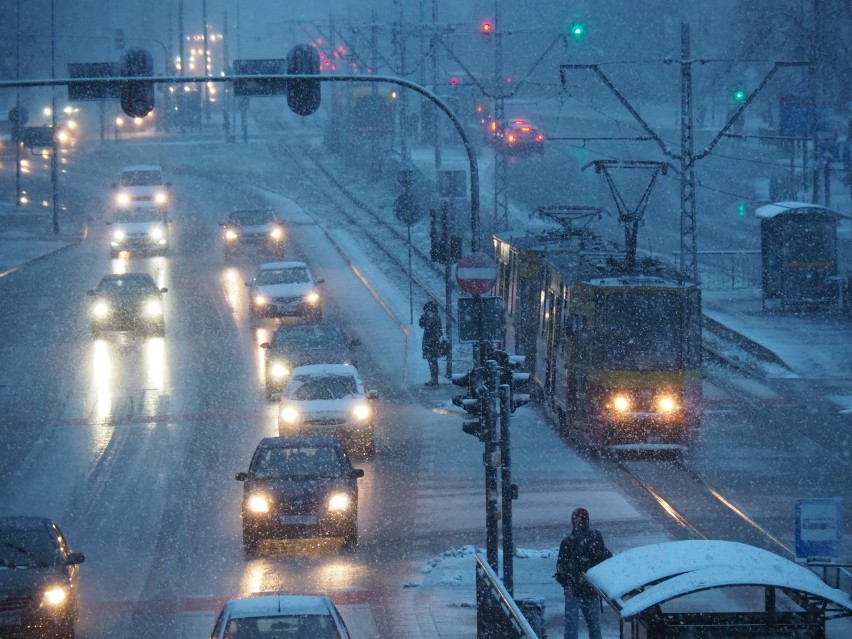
{"x":578,"y":552}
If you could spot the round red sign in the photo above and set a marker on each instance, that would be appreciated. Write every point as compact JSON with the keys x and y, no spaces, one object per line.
{"x":476,"y":273}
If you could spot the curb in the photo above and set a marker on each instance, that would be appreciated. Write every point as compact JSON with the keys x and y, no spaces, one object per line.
{"x":747,"y":344}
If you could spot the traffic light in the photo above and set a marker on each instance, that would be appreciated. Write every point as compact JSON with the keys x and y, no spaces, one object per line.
{"x":511,"y":374}
{"x":477,"y":403}
{"x":577,"y":30}
{"x":303,"y":96}
{"x":444,"y":247}
{"x":137,"y":96}
{"x":738,"y":95}
{"x":486,"y":28}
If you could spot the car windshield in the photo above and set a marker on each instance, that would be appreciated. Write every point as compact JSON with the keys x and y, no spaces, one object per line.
{"x":288,"y":275}
{"x":323,"y":387}
{"x":308,"y":337}
{"x":283,"y":627}
{"x":20,"y":548}
{"x":128,"y":283}
{"x":302,"y":461}
{"x":138,"y":215}
{"x":251,"y":218}
{"x":141,"y":178}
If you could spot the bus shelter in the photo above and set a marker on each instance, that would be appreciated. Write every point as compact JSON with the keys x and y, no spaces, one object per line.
{"x":704,"y":589}
{"x":798,"y":246}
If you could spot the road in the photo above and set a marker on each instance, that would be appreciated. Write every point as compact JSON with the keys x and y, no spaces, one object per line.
{"x":132,"y":444}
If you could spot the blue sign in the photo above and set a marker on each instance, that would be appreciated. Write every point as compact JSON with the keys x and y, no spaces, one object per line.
{"x":819,"y":528}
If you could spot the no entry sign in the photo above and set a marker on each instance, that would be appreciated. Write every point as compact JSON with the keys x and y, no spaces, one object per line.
{"x":476,"y":273}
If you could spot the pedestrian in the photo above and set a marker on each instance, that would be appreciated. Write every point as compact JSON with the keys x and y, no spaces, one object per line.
{"x":433,"y":334}
{"x":578,"y":552}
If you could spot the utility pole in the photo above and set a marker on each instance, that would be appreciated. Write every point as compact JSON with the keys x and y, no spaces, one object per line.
{"x":19,"y":122}
{"x":54,"y":160}
{"x":688,"y":238}
{"x":205,"y":89}
{"x":433,"y":43}
{"x":181,"y":38}
{"x":501,"y":191}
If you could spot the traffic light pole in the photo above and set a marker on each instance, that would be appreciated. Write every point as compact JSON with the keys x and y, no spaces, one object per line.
{"x":507,"y":490}
{"x":490,"y":461}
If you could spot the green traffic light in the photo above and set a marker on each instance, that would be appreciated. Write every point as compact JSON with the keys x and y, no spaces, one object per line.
{"x":577,"y":30}
{"x":741,"y":209}
{"x":739,"y":95}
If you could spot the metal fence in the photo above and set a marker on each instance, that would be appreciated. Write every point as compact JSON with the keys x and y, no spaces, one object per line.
{"x":728,"y":270}
{"x":498,"y":615}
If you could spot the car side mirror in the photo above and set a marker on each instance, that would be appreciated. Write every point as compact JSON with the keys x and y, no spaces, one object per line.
{"x":357,"y":472}
{"x":241,"y":476}
{"x":223,"y":224}
{"x":74,"y":558}
{"x":90,"y":293}
{"x":266,"y":345}
{"x":320,"y":281}
{"x":108,"y":223}
{"x":164,"y":290}
{"x":354,"y":342}
{"x":372,"y":394}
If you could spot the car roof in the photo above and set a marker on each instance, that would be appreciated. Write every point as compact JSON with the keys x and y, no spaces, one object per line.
{"x":25,"y":523}
{"x":313,"y":327}
{"x":270,"y":605}
{"x":292,"y":441}
{"x":271,"y":266}
{"x":325,"y":369}
{"x":127,"y":276}
{"x":141,"y":167}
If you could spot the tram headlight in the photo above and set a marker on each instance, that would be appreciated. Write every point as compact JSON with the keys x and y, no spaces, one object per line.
{"x":277,"y":233}
{"x":666,"y":404}
{"x":620,"y":403}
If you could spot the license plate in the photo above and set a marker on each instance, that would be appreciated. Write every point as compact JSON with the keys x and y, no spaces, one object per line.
{"x":10,"y":619}
{"x":299,"y":520}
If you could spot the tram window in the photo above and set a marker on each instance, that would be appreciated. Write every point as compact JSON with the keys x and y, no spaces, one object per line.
{"x":642,"y":331}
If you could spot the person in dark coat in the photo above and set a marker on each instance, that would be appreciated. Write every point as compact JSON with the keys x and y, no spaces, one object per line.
{"x":578,"y":552}
{"x":433,"y":333}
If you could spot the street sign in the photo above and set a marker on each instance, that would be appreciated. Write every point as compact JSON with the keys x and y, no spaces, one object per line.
{"x":38,"y":137}
{"x":408,"y":209}
{"x":451,"y":184}
{"x":476,"y":273}
{"x":481,"y":319}
{"x":254,"y":88}
{"x":18,"y":116}
{"x":93,"y":90}
{"x":819,"y":528}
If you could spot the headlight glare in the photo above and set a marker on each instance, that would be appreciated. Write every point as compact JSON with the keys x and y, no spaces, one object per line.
{"x":278,"y":370}
{"x":361,"y":412}
{"x":55,"y":596}
{"x":289,"y":415}
{"x":160,"y":198}
{"x":123,"y":199}
{"x":100,"y":309}
{"x":277,"y":233}
{"x":157,"y":232}
{"x":118,"y":235}
{"x":666,"y":404}
{"x":312,"y":297}
{"x":338,"y":502}
{"x":231,"y":235}
{"x":260,"y":300}
{"x":153,"y":308}
{"x":621,"y":403}
{"x":258,"y":504}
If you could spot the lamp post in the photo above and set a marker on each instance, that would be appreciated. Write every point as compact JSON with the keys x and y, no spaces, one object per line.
{"x":54,"y":161}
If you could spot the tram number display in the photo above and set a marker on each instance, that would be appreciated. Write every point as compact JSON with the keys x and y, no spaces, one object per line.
{"x":481,"y":319}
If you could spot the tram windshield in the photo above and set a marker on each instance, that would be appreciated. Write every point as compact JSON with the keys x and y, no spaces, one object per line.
{"x":641,"y":331}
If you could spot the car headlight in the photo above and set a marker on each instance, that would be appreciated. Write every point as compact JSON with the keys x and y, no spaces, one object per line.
{"x":290,"y":415}
{"x":118,"y":235}
{"x":161,"y":198}
{"x":338,"y":502}
{"x":157,"y":233}
{"x":620,"y":403}
{"x":278,"y":370}
{"x":312,"y":297}
{"x":258,"y":504}
{"x":261,"y":300}
{"x":100,"y":309}
{"x":55,"y":596}
{"x":123,"y":199}
{"x":361,"y":412}
{"x":231,"y":235}
{"x":153,"y":308}
{"x":666,"y":404}
{"x":277,"y":233}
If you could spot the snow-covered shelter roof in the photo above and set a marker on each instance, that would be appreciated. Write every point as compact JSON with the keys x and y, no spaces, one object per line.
{"x":796,"y":208}
{"x":640,"y":578}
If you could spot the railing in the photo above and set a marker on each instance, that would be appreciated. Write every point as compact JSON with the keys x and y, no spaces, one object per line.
{"x":498,"y":615}
{"x":728,"y":270}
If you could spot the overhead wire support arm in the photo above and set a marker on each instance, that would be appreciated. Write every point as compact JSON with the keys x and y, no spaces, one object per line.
{"x":594,"y":67}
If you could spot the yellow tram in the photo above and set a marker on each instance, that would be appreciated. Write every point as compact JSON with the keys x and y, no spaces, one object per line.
{"x":615,"y":352}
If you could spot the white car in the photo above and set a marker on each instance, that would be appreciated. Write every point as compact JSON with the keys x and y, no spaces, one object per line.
{"x":273,"y":616}
{"x":142,"y":227}
{"x":282,"y":289}
{"x":329,"y":399}
{"x":141,"y":183}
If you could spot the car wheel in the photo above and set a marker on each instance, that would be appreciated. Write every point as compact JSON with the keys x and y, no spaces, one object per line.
{"x":270,"y":391}
{"x":350,"y":536}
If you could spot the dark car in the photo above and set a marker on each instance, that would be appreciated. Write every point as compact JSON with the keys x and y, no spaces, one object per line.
{"x":38,"y":579}
{"x":295,"y":345}
{"x":257,"y":228}
{"x":299,"y":486}
{"x":127,"y":301}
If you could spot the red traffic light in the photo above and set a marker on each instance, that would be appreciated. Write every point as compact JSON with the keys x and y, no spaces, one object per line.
{"x":454,"y":81}
{"x":486,"y":27}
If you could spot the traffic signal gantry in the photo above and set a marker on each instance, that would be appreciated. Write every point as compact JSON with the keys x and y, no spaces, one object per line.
{"x":132,"y":80}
